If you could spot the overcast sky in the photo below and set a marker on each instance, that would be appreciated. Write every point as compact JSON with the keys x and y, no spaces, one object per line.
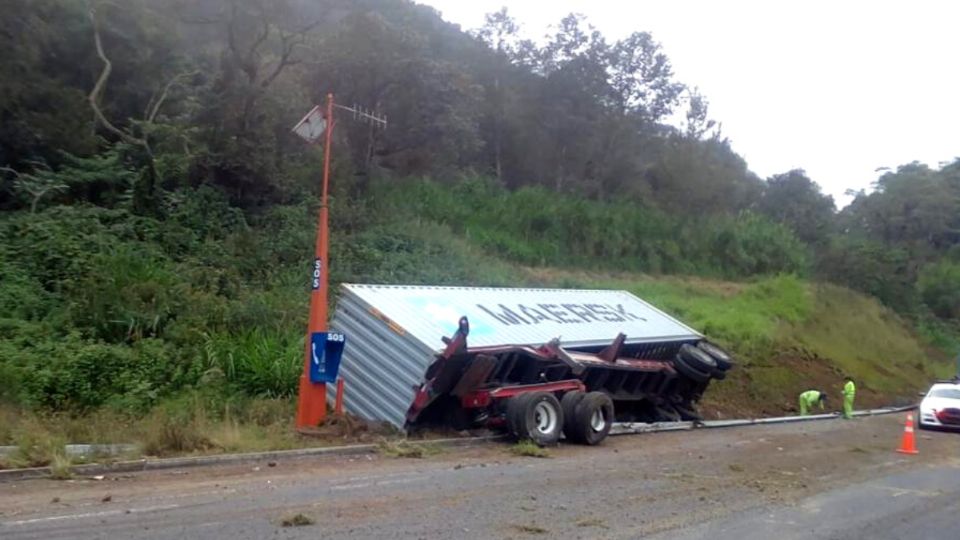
{"x":838,"y":88}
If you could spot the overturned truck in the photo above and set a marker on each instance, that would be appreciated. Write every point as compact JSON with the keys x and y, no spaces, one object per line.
{"x":538,"y":363}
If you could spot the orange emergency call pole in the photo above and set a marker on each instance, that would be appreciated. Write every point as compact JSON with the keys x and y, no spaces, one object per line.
{"x":312,"y":397}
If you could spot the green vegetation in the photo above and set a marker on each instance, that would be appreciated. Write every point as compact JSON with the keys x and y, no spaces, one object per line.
{"x":528,"y":448}
{"x":157,"y":218}
{"x":748,"y":315}
{"x":534,"y":226}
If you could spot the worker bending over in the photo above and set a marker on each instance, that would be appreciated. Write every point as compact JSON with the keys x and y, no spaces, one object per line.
{"x":810,"y":398}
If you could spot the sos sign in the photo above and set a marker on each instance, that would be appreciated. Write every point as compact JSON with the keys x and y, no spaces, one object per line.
{"x":317,"y":272}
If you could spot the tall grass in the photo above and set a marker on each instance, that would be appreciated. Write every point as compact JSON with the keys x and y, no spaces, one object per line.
{"x":534,"y":226}
{"x":260,"y":362}
{"x":746,"y":315}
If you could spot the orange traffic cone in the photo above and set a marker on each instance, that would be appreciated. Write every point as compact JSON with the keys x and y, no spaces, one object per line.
{"x":908,"y":445}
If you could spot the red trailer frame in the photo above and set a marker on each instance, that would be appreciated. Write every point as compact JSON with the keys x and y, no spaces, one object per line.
{"x":532,"y":389}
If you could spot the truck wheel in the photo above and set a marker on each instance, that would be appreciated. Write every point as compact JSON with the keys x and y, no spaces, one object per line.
{"x":539,"y":418}
{"x":698,"y":359}
{"x":569,"y":404}
{"x":688,"y":371}
{"x":724,"y":360}
{"x":594,"y":418}
{"x":515,"y":412}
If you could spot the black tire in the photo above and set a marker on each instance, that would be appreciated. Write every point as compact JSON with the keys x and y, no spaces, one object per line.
{"x":688,"y":371}
{"x":723,"y":358}
{"x":718,"y":374}
{"x":536,"y":416}
{"x":569,"y":404}
{"x":515,"y":412}
{"x":594,"y":417}
{"x":698,"y":359}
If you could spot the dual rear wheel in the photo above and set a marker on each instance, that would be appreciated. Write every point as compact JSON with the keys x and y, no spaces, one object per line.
{"x":584,"y":418}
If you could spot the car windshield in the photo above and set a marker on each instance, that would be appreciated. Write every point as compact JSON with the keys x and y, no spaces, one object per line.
{"x":952,"y":393}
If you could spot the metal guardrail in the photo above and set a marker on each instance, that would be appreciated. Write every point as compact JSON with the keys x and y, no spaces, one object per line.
{"x":632,"y":428}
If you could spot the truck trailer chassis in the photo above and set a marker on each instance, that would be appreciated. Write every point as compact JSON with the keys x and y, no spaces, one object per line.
{"x":539,"y":393}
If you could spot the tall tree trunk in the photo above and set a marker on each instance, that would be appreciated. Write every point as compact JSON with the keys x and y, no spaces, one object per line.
{"x":497,"y":129}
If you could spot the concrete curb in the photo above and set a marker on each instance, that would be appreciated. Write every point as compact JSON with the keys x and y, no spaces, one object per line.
{"x":229,"y":459}
{"x":76,"y":450}
{"x":620,"y":428}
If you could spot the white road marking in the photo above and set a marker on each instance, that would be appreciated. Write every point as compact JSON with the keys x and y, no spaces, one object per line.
{"x":362,"y":485}
{"x":899,"y":492}
{"x":92,"y":514}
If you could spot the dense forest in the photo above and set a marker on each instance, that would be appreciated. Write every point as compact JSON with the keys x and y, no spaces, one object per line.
{"x":157,"y":213}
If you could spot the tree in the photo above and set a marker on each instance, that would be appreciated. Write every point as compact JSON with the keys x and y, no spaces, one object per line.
{"x":939,"y":286}
{"x":36,"y":185}
{"x":699,"y":177}
{"x":433,"y":105}
{"x":698,"y":124}
{"x":42,"y":82}
{"x":499,"y":32}
{"x":793,"y":199}
{"x":913,"y":207}
{"x":872,"y":268}
{"x":642,"y":77}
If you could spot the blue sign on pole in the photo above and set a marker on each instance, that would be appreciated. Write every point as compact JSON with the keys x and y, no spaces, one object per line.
{"x":326,"y":348}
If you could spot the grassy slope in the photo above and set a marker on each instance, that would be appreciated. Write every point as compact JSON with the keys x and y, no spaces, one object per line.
{"x":789,"y":336}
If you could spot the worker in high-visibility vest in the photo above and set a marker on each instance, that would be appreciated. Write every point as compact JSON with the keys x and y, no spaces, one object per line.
{"x":849,"y":392}
{"x":810,"y":398}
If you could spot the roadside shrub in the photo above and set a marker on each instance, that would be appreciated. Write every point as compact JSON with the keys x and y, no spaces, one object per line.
{"x":939,"y":286}
{"x":21,"y":296}
{"x":73,"y":374}
{"x":172,"y":431}
{"x":258,"y":362}
{"x":130,"y":293}
{"x":36,"y":446}
{"x":752,"y":245}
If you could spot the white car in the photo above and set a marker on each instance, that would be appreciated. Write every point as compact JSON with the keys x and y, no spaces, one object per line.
{"x":940,"y":408}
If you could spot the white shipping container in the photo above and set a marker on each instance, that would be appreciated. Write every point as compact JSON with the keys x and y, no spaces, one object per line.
{"x":394,"y":331}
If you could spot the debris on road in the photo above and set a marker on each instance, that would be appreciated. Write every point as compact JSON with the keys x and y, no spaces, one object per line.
{"x":296,"y":520}
{"x":529,"y":449}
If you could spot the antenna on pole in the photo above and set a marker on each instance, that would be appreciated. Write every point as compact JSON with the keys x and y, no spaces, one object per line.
{"x":364,"y":116}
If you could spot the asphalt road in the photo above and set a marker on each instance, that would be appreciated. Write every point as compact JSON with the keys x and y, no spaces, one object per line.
{"x":916,"y":505}
{"x":830,"y":479}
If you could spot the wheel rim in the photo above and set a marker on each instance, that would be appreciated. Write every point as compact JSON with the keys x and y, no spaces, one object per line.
{"x":597,"y":420}
{"x":545,"y":418}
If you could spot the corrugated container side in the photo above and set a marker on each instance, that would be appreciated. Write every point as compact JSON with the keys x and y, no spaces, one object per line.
{"x":381,"y":367}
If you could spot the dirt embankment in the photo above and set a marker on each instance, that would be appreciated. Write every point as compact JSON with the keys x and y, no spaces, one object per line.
{"x":771,"y":388}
